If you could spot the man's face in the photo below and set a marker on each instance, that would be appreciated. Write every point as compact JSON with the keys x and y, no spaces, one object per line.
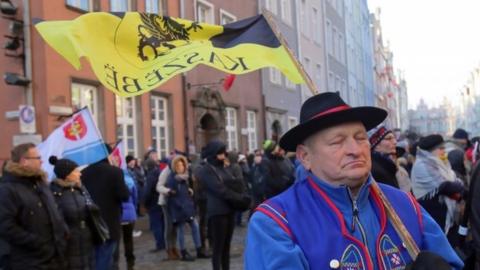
{"x":338,"y":155}
{"x":387,"y":145}
{"x":32,"y":159}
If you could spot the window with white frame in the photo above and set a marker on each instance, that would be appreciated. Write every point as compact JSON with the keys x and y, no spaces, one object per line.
{"x":252,"y":131}
{"x":289,"y":84}
{"x":159,"y":115}
{"x":226,"y":18}
{"x":205,"y":12}
{"x":334,"y":42}
{"x":316,"y":26}
{"x":120,"y":5}
{"x":231,"y":128}
{"x":81,"y":4}
{"x":85,"y":95}
{"x":156,"y":7}
{"x":318,"y":75}
{"x":271,"y":5}
{"x":275,"y":76}
{"x":286,"y":11}
{"x":292,"y":122}
{"x":304,"y":24}
{"x":341,"y":48}
{"x":329,"y":37}
{"x":126,"y":124}
{"x":331,"y":82}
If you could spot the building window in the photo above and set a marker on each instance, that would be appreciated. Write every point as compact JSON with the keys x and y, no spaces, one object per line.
{"x":329,"y":37}
{"x":275,"y":76}
{"x":271,"y":5}
{"x":226,"y":18}
{"x":231,"y":128}
{"x":331,"y":82}
{"x":126,"y":124}
{"x":289,"y":84}
{"x":304,"y":25}
{"x":341,"y":48}
{"x":120,"y":5}
{"x":159,"y":115}
{"x":252,"y":131}
{"x":334,"y":43}
{"x":318,"y":75}
{"x":81,"y":4}
{"x":286,"y":11}
{"x":316,"y":26}
{"x":205,"y":12}
{"x":156,"y":7}
{"x":292,"y":122}
{"x":84,"y":95}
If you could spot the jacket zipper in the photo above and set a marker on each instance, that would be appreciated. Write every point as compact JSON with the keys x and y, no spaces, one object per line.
{"x":356,"y":220}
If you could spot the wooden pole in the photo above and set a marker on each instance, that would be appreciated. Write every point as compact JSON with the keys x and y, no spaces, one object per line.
{"x":397,"y":223}
{"x":269,"y":18}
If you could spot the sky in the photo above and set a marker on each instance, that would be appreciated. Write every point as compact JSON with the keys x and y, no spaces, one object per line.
{"x":435,"y":42}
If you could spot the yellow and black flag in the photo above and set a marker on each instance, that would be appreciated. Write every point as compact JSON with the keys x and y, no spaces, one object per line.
{"x":132,"y":53}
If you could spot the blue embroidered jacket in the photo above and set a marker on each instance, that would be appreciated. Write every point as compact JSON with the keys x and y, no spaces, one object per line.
{"x":314,"y":225}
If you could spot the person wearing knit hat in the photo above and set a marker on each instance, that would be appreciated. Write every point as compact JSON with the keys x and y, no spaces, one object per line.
{"x":71,"y":198}
{"x":434,"y":183}
{"x":269,"y":145}
{"x":383,"y":147}
{"x":460,"y":136}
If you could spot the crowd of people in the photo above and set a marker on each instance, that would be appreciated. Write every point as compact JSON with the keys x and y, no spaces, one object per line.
{"x":79,"y":219}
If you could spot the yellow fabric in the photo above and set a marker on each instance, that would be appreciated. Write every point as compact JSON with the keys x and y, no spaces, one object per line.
{"x":111,"y":45}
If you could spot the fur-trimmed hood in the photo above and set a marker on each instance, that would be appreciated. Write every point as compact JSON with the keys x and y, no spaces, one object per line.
{"x":177,"y":159}
{"x":17,"y":170}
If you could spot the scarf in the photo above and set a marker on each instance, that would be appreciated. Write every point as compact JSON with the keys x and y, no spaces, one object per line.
{"x":428,"y":173}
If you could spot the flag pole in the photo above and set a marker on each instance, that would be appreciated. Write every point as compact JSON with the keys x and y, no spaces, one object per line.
{"x":397,"y":223}
{"x":269,"y":18}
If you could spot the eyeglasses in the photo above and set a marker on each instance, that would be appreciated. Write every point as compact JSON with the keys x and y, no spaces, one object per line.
{"x":37,"y":158}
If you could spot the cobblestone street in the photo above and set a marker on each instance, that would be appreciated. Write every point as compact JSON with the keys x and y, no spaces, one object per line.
{"x":145,"y":260}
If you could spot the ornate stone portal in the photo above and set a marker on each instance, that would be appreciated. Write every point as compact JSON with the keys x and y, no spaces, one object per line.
{"x":209,"y":115}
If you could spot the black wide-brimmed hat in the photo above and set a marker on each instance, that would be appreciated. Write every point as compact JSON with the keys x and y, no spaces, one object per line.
{"x":326,"y":110}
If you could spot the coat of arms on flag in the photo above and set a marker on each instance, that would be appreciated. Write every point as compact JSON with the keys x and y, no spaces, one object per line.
{"x":77,"y":139}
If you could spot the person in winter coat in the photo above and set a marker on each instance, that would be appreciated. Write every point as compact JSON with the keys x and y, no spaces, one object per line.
{"x":170,"y":230}
{"x":200,"y":198}
{"x":257,"y":177}
{"x":382,"y":145}
{"x":29,"y":219}
{"x":181,"y":207}
{"x":434,"y":183}
{"x":71,"y":198}
{"x":155,"y":212}
{"x":220,"y":214}
{"x":106,"y":185}
{"x":138,"y":174}
{"x":129,"y":216}
{"x":4,"y":248}
{"x":279,"y":172}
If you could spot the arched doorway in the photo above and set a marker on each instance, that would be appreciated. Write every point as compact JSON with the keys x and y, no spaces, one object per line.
{"x":276,"y":130}
{"x":209,"y":126}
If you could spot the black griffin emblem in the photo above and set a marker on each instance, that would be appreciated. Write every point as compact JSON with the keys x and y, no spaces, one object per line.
{"x":160,"y":34}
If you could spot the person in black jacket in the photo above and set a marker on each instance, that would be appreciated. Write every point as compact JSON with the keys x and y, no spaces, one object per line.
{"x":155,"y":212}
{"x":29,"y":219}
{"x":278,"y":171}
{"x":106,"y":185}
{"x":220,"y":214}
{"x":383,"y":146}
{"x":71,"y":198}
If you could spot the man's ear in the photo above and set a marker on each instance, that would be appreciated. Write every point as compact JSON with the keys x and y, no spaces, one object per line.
{"x":303,"y":154}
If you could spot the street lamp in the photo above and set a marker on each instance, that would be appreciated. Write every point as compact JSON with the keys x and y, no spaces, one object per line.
{"x":7,"y":8}
{"x":15,"y":79}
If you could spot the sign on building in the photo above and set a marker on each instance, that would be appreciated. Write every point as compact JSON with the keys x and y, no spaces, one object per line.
{"x":26,"y":116}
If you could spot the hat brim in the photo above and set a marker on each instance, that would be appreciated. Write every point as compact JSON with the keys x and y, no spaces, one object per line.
{"x":370,"y":117}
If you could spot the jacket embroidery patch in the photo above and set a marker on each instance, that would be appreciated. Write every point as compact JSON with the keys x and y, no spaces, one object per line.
{"x":391,"y":256}
{"x":352,"y":259}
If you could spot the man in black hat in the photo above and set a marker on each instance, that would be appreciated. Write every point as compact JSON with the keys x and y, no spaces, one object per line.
{"x":333,"y":219}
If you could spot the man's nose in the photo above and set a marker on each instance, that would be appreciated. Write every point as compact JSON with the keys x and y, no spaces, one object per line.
{"x":352,"y":147}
